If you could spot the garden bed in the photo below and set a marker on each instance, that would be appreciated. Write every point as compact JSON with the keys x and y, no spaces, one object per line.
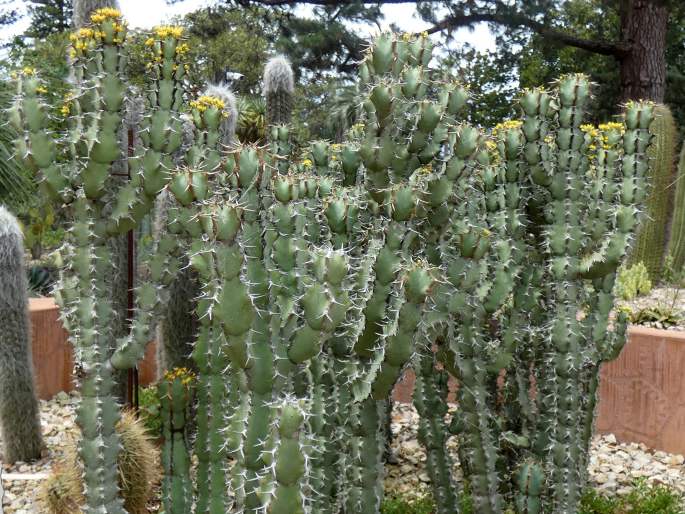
{"x":613,"y":467}
{"x":667,"y":306}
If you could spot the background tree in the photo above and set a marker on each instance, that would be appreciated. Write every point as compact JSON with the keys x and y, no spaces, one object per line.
{"x":229,"y":40}
{"x":49,"y":17}
{"x":636,"y":41}
{"x":9,"y":12}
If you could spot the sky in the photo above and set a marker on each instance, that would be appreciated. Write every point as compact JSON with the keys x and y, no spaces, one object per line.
{"x":146,"y":13}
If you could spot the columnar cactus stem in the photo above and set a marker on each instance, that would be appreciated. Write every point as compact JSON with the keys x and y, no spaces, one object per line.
{"x":650,"y":242}
{"x":365,"y":491}
{"x":676,"y":243}
{"x":86,"y":186}
{"x":400,"y":341}
{"x":290,"y":462}
{"x":430,"y":393}
{"x":211,"y":231}
{"x":19,"y":419}
{"x":175,"y":394}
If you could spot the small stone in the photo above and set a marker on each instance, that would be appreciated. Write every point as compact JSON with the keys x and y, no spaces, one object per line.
{"x":62,"y":397}
{"x":675,"y":460}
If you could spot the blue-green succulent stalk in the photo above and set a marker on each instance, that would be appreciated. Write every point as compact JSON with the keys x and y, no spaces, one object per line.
{"x":75,"y":168}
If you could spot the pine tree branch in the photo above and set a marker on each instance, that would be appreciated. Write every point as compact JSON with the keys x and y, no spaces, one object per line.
{"x":616,"y":49}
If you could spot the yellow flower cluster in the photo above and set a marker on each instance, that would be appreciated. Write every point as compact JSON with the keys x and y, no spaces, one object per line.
{"x":506,"y":125}
{"x":184,"y":374}
{"x":205,"y":102}
{"x":307,"y":163}
{"x":428,"y":168}
{"x":166,"y":31}
{"x":24,"y":72}
{"x":84,"y":34}
{"x":612,"y":125}
{"x":41,"y":89}
{"x":599,"y":134}
{"x":106,"y":13}
{"x":182,"y":49}
{"x":589,"y":129}
{"x":66,"y":106}
{"x":86,"y":37}
{"x":491,"y":149}
{"x":408,"y":36}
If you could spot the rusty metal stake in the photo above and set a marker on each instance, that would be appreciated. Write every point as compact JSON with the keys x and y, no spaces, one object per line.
{"x":132,"y":399}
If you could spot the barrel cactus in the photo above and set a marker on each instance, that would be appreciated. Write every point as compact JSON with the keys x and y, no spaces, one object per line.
{"x":279,"y":87}
{"x":62,"y":492}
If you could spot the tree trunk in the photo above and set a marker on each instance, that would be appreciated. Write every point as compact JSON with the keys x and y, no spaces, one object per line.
{"x":643,"y":67}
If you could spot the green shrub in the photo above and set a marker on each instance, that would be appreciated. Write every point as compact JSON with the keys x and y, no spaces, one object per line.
{"x":149,"y":410}
{"x":667,"y":315}
{"x":633,"y":281}
{"x":643,"y":499}
{"x":399,"y":505}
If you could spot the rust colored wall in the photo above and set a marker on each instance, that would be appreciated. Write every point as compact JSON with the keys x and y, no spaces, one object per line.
{"x":147,"y":369}
{"x":52,"y":357}
{"x":52,"y":354}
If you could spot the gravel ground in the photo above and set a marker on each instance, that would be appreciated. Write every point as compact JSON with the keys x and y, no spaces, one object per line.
{"x":613,"y":466}
{"x":664,"y":298}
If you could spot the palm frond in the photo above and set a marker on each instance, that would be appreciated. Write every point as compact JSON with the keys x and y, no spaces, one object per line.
{"x":16,"y":183}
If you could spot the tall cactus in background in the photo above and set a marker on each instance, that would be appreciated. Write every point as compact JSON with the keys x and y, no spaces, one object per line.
{"x":177,"y":329}
{"x":323,"y":276}
{"x":676,"y":242}
{"x":19,"y":420}
{"x":230,"y":120}
{"x":650,"y":245}
{"x":279,"y":88}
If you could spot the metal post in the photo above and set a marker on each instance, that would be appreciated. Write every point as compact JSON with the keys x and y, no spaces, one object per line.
{"x":132,"y":382}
